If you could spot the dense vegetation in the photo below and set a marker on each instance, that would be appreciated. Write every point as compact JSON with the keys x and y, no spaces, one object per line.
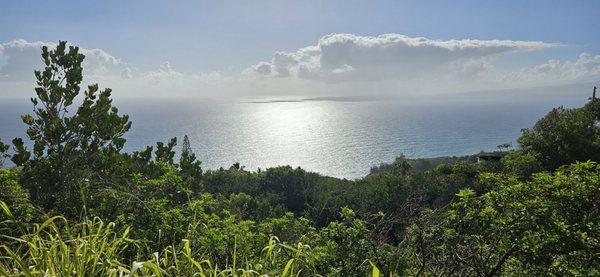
{"x":75,"y":204}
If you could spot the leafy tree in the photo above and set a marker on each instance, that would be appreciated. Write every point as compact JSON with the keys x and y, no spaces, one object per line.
{"x":165,"y":153}
{"x":401,"y":167}
{"x":347,"y":246}
{"x":237,"y":167}
{"x":70,"y":153}
{"x":504,"y":146}
{"x":289,"y":182}
{"x":187,"y":162}
{"x":3,"y":152}
{"x":547,"y":226}
{"x":522,"y":164}
{"x":564,"y":136}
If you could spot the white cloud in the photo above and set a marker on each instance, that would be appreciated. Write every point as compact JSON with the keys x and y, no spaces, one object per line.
{"x":164,"y":73}
{"x":261,"y":68}
{"x":336,"y":64}
{"x":389,"y":56}
{"x":585,"y":68}
{"x":21,"y":57}
{"x":342,"y":69}
{"x":126,"y":73}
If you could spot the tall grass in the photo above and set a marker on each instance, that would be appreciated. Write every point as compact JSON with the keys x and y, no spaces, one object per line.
{"x":95,"y":248}
{"x":55,"y":249}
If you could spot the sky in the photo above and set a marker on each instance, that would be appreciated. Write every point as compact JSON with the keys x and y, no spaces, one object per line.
{"x":213,"y":49}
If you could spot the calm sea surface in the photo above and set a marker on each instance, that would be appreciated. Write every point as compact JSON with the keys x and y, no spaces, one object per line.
{"x":338,"y":137}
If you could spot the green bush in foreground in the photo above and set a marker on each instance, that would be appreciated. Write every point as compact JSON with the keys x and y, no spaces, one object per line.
{"x":549,"y":225}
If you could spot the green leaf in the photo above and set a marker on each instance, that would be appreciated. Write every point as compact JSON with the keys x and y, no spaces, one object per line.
{"x":465,"y":193}
{"x":287,"y":268}
{"x":375,"y":272}
{"x":6,"y":209}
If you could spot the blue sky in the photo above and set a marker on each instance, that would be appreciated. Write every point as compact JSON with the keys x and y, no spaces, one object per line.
{"x":230,"y":36}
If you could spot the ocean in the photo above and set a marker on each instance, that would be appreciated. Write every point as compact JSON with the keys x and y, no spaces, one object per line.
{"x":340,"y":137}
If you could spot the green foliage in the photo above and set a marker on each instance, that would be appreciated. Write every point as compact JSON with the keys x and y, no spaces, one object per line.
{"x":165,"y":153}
{"x":565,"y":136}
{"x":401,"y":166}
{"x":13,"y":195}
{"x":422,"y":164}
{"x":68,"y":151}
{"x":521,"y":164}
{"x":188,"y":163}
{"x":3,"y":152}
{"x":547,"y":226}
{"x":290,"y":183}
{"x":94,"y":248}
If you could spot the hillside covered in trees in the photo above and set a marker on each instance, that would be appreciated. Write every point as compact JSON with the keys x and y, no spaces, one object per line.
{"x":76,"y":205}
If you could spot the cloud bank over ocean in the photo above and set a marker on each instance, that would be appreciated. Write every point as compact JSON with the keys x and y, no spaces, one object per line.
{"x":337,"y":64}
